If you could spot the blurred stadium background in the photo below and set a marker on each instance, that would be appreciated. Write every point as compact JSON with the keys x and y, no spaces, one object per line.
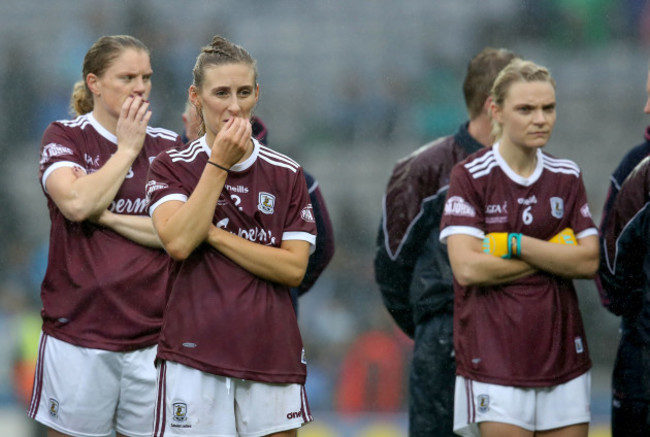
{"x":347,"y":87}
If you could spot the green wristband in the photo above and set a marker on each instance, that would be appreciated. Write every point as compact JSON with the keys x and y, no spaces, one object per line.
{"x":516,"y":239}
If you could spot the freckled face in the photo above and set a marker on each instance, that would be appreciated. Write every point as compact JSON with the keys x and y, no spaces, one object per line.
{"x":527,"y":115}
{"x":129,"y":74}
{"x":228,"y":91}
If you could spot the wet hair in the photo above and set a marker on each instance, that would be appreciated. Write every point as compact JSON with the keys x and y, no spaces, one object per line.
{"x":98,"y":59}
{"x":482,"y":70}
{"x":518,"y":70}
{"x":220,"y":51}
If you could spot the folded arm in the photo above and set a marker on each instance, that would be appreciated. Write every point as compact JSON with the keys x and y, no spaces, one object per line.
{"x":138,"y":229}
{"x":569,"y":261}
{"x":472,"y":266}
{"x":285,"y":264}
{"x":182,"y":226}
{"x":81,"y":196}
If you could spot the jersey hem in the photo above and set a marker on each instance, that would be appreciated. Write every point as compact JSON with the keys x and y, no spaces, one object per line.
{"x":529,"y":382}
{"x":285,"y":378}
{"x":113,"y":347}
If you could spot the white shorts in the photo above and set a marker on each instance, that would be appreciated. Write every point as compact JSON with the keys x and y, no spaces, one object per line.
{"x":534,"y":409}
{"x":87,"y":392}
{"x":191,"y":402}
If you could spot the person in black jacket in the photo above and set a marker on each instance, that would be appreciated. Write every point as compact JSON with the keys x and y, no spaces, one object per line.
{"x":412,"y":267}
{"x":630,"y":397}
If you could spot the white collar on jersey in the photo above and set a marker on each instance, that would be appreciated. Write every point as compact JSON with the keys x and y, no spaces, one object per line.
{"x":101,"y":130}
{"x":240,"y":166}
{"x":514,"y":176}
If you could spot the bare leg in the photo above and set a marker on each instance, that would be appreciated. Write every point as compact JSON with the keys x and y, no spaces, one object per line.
{"x":498,"y":429}
{"x":53,"y":433}
{"x":290,"y":433}
{"x":579,"y":430}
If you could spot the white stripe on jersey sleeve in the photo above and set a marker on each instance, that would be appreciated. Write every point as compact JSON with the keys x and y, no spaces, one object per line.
{"x":186,"y":151}
{"x":562,"y":170}
{"x":58,"y":165}
{"x":273,"y":155}
{"x":465,"y":230}
{"x":560,"y":162}
{"x":81,"y":120}
{"x":480,"y":161}
{"x":169,"y":197}
{"x":565,"y":166}
{"x":482,"y":166}
{"x":187,"y":155}
{"x":162,"y":133}
{"x":277,"y":163}
{"x":304,"y":236}
{"x":587,"y":233}
{"x":478,"y":174}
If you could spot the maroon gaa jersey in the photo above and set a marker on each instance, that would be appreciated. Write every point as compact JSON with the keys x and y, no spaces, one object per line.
{"x":529,"y":332}
{"x":220,"y":318}
{"x":100,"y":289}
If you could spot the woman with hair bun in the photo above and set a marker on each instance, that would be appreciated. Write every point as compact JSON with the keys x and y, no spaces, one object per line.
{"x":106,"y":280}
{"x":236,"y":215}
{"x":518,"y":230}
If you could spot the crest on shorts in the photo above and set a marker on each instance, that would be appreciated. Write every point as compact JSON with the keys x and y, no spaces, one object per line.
{"x":180,"y":411}
{"x":266,"y":202}
{"x":483,"y":403}
{"x":557,"y":207}
{"x":54,"y":407}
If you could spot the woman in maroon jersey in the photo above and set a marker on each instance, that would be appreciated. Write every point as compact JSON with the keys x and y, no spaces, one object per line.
{"x":521,"y":352}
{"x":237,"y":216}
{"x":104,"y":289}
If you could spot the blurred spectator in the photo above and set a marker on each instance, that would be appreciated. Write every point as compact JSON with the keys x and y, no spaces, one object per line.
{"x":412,"y":267}
{"x":373,"y":373}
{"x":98,"y":316}
{"x":622,"y":283}
{"x":582,"y":22}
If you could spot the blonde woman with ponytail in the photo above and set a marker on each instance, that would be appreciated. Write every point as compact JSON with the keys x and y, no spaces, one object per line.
{"x":518,"y":231}
{"x":236,"y":215}
{"x":106,"y":280}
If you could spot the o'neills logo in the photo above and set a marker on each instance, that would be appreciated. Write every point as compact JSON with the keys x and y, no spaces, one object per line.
{"x":294,"y":415}
{"x":456,"y":205}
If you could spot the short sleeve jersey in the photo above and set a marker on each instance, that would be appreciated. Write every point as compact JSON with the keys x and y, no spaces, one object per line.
{"x":100,"y":289}
{"x":221,"y":319}
{"x":528,"y":332}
